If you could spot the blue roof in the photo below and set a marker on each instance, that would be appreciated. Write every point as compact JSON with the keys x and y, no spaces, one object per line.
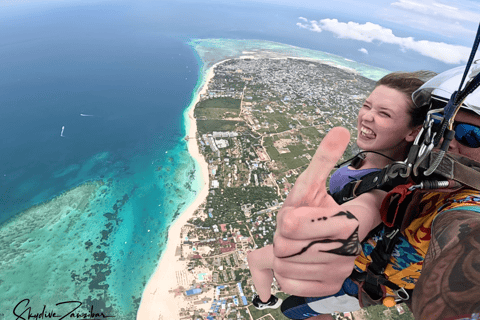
{"x":244,"y":300}
{"x":193,"y":291}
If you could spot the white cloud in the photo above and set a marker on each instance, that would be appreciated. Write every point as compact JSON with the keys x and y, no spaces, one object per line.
{"x":369,"y":32}
{"x":438,"y":10}
{"x":304,"y":19}
{"x":456,"y":19}
{"x":303,"y":26}
{"x":363,"y":50}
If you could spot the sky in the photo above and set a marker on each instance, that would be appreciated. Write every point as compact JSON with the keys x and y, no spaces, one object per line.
{"x":435,"y":29}
{"x":448,"y":27}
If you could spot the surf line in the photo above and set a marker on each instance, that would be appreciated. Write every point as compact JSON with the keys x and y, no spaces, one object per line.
{"x":61,"y":133}
{"x":86,"y":115}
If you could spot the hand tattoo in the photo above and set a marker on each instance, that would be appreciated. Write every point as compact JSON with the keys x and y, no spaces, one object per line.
{"x":347,"y":214}
{"x":350,"y":246}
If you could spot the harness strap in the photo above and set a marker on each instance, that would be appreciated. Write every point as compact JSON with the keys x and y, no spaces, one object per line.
{"x":452,"y":167}
{"x":392,"y":204}
{"x":457,"y":168}
{"x":377,"y":281}
{"x":374,"y":180}
{"x":374,"y":280}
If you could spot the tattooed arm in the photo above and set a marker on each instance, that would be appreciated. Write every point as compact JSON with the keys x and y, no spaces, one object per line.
{"x":450,"y":282}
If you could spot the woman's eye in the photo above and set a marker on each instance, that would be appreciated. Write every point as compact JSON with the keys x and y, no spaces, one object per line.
{"x":366,"y":107}
{"x":384,"y":114}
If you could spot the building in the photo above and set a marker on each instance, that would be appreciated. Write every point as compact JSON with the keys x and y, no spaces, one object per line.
{"x":193,"y":292}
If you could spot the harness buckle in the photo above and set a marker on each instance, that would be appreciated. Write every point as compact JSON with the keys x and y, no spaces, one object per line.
{"x":428,"y":141}
{"x":402,"y":294}
{"x":392,"y":234}
{"x":397,"y":168}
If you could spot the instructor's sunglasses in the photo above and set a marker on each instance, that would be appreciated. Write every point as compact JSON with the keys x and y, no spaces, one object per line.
{"x":465,"y":133}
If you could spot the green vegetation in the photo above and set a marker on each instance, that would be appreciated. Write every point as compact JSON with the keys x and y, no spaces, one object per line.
{"x":211,"y":114}
{"x":281,"y":122}
{"x":208,"y":126}
{"x":218,"y":103}
{"x":216,"y":113}
{"x":312,"y":135}
{"x":228,"y":206}
{"x":293,"y":159}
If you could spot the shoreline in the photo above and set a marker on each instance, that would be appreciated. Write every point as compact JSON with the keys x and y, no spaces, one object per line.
{"x":157,"y":302}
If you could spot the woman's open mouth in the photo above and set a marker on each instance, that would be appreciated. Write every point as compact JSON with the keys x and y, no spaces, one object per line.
{"x":367,"y":133}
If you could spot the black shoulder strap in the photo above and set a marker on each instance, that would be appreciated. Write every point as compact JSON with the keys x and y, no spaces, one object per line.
{"x":371,"y":181}
{"x":452,"y":167}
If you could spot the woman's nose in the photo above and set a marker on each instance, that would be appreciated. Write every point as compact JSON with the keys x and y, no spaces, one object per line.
{"x":368,"y":116}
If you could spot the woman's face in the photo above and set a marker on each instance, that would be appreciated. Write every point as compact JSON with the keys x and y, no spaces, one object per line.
{"x":384,"y":122}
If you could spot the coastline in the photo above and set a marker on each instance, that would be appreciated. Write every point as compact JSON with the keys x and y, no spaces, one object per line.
{"x":157,"y":302}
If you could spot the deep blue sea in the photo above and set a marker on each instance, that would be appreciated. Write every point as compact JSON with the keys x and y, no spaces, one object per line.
{"x":93,"y":165}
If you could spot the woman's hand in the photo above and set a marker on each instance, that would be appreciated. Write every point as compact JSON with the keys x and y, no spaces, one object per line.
{"x":317,"y":240}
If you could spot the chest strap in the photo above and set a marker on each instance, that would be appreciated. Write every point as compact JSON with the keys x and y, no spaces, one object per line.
{"x":374,"y":180}
{"x":461,"y":171}
{"x":374,"y":279}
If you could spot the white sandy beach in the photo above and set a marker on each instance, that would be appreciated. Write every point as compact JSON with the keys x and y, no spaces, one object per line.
{"x":157,"y":303}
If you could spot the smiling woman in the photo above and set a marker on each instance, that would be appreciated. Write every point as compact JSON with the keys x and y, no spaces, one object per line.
{"x":388,"y":120}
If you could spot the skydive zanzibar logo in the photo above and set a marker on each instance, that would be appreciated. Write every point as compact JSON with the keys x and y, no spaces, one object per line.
{"x":23,"y":312}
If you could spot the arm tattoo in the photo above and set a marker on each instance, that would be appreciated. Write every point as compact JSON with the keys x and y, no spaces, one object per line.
{"x":450,"y":280}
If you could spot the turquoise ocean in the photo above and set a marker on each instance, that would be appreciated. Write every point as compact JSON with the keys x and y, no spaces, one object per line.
{"x":94,"y":166}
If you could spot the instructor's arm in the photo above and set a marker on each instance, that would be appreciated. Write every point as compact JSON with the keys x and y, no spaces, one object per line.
{"x":450,"y":282}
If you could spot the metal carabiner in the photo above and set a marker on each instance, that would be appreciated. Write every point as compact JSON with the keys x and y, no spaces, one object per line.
{"x":395,"y":169}
{"x":427,"y":143}
{"x":427,"y":149}
{"x":402,"y":294}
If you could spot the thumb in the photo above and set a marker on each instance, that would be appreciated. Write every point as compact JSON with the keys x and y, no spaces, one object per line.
{"x":328,"y":153}
{"x":309,"y":189}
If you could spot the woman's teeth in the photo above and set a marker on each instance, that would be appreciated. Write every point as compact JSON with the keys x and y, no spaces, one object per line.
{"x":366,"y":131}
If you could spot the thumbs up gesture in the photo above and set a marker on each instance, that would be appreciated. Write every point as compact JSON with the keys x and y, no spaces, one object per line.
{"x":317,"y":240}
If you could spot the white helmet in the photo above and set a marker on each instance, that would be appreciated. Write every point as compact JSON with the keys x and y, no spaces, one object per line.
{"x":440,"y":88}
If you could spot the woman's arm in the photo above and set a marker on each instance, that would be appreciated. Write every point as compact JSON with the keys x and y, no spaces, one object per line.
{"x":317,"y":241}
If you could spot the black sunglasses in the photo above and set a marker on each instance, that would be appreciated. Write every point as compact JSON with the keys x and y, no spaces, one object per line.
{"x":465,"y":133}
